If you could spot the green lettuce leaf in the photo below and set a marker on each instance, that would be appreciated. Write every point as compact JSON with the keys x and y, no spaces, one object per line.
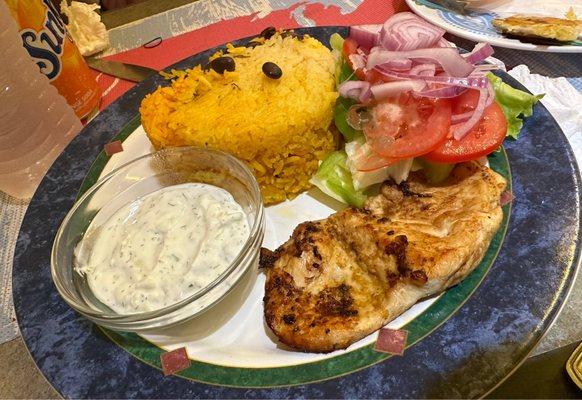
{"x":435,"y":172}
{"x":514,"y":103}
{"x":336,"y":41}
{"x":334,"y":179}
{"x":346,"y":73}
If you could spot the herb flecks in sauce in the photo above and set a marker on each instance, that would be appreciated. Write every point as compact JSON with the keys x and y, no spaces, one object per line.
{"x":163,"y":247}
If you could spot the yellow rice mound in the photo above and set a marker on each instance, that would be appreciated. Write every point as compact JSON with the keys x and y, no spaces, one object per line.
{"x":279,"y":127}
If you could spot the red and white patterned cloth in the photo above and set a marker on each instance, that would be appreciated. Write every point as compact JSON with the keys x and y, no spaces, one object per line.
{"x":179,"y":47}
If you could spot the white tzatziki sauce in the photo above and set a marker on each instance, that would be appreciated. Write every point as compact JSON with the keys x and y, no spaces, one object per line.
{"x":163,"y":247}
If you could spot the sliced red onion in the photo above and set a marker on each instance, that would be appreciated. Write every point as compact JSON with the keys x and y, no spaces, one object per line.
{"x":365,"y":95}
{"x":487,"y":67}
{"x":448,"y":58}
{"x":444,"y":43}
{"x":377,"y":56}
{"x":458,"y":118}
{"x":461,"y":130}
{"x":423,"y":70}
{"x":397,"y":19}
{"x":490,"y":93}
{"x":398,"y":64}
{"x":480,"y":52}
{"x":473,"y":82}
{"x":406,"y":31}
{"x":353,"y":89}
{"x":390,"y":89}
{"x":366,"y":36}
{"x":446,"y":92}
{"x":483,"y":69}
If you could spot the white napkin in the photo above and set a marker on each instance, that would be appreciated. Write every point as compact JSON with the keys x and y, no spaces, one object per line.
{"x":548,"y":8}
{"x":562,"y":101}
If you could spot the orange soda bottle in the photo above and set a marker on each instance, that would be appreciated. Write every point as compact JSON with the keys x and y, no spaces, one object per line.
{"x":47,"y":41}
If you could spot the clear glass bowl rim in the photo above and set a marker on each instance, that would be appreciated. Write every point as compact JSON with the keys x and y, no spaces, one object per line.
{"x":257,"y":226}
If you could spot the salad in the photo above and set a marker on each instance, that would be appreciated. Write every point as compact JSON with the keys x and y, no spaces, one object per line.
{"x":409,"y":100}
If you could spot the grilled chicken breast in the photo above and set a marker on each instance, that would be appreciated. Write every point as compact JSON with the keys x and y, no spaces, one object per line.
{"x":337,"y":280}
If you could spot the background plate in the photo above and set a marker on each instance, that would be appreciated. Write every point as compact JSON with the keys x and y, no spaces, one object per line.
{"x":465,"y":357}
{"x":478,"y":28}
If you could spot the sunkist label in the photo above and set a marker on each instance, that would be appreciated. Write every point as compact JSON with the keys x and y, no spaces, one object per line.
{"x":46,"y":45}
{"x":45,"y":37}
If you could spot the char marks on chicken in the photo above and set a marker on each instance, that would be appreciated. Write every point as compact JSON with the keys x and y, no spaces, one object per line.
{"x":337,"y":280}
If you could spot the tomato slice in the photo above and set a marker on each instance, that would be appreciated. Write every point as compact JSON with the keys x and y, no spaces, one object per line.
{"x":375,"y":77}
{"x":466,"y":102}
{"x":351,"y":47}
{"x":480,"y":141}
{"x":405,"y":126}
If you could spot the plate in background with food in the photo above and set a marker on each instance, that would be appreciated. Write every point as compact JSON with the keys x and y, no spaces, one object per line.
{"x":547,"y":27}
{"x":462,"y":341}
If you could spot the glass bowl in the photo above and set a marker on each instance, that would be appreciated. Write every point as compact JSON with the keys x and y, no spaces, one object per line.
{"x":136,"y":179}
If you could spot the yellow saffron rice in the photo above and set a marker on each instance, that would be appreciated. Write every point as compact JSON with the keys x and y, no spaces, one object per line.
{"x":280,"y":127}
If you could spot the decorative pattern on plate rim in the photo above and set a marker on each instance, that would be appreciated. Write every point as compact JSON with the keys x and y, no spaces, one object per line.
{"x":479,"y":23}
